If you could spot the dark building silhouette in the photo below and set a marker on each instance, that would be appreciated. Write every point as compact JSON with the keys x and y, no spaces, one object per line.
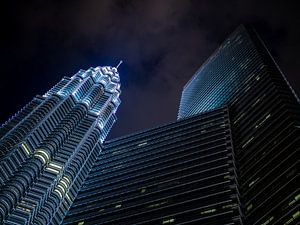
{"x":49,"y":146}
{"x":242,"y":167}
{"x":179,"y":173}
{"x":232,"y":157}
{"x":264,"y":113}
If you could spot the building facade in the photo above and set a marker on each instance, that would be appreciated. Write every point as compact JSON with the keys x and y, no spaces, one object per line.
{"x":49,"y":146}
{"x":180,"y":173}
{"x":264,"y":112}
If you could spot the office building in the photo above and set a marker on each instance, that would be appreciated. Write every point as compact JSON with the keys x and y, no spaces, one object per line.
{"x":264,"y":113}
{"x":178,"y":173}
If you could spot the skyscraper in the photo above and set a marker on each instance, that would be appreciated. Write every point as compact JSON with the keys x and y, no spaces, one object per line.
{"x":264,"y":112}
{"x":241,"y":59}
{"x":231,"y":158}
{"x":49,"y":146}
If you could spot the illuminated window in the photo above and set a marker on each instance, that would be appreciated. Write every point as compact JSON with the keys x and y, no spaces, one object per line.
{"x":52,"y":170}
{"x":240,"y":117}
{"x":253,"y":182}
{"x":208,"y":211}
{"x":143,"y":190}
{"x":118,"y":206}
{"x":229,"y":206}
{"x":23,"y":208}
{"x":264,"y":120}
{"x":226,"y":177}
{"x":268,"y":221}
{"x":68,"y":197}
{"x":59,"y":193}
{"x":249,"y":207}
{"x":294,"y":217}
{"x":247,"y":142}
{"x":25,"y":147}
{"x":297,"y":197}
{"x":43,"y":155}
{"x":62,"y":186}
{"x":54,"y":167}
{"x":157,"y":204}
{"x":167,"y":221}
{"x":142,"y":144}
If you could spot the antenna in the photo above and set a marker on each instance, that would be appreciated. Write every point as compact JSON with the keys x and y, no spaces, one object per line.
{"x":121,"y":61}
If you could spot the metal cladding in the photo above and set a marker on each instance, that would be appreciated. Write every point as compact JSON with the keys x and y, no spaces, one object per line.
{"x":49,"y":146}
{"x":173,"y":174}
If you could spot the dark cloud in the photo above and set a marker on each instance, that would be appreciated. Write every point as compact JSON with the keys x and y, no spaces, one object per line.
{"x":162,"y":44}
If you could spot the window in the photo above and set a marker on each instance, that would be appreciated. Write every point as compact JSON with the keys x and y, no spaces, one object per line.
{"x":268,"y":221}
{"x":167,"y":221}
{"x":208,"y":211}
{"x":25,"y":147}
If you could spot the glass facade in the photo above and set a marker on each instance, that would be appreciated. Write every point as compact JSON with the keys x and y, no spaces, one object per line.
{"x":264,"y":113}
{"x":226,"y":73}
{"x":49,"y":146}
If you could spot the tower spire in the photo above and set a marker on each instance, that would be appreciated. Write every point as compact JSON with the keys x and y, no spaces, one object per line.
{"x":121,"y":61}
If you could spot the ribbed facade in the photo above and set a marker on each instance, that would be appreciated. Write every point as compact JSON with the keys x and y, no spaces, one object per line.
{"x":181,"y":173}
{"x":264,"y":113}
{"x":266,"y":135}
{"x":49,"y":146}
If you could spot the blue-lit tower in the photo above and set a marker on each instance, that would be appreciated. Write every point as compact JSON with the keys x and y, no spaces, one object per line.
{"x":49,"y":146}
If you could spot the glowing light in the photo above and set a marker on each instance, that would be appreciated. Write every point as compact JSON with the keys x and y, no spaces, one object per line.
{"x":58,"y":192}
{"x":26,"y":148}
{"x":55,"y":165}
{"x":172,"y":220}
{"x":62,"y":186}
{"x":142,"y":144}
{"x":43,"y":155}
{"x":208,"y":211}
{"x":52,"y":170}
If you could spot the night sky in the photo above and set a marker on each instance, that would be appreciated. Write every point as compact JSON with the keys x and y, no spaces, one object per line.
{"x":162,"y":43}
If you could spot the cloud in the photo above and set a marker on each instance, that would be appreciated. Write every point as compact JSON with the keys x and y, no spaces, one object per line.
{"x":162,"y":44}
